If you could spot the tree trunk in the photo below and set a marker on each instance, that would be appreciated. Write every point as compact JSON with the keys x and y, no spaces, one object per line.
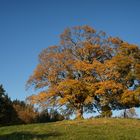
{"x":79,"y":113}
{"x":125,"y":113}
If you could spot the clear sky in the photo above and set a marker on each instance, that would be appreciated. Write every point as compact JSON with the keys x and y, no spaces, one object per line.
{"x":28,"y":26}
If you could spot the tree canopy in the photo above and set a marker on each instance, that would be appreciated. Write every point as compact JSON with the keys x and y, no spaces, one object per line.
{"x":87,"y":71}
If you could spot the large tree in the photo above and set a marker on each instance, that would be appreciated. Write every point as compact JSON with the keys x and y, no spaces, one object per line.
{"x":87,"y":70}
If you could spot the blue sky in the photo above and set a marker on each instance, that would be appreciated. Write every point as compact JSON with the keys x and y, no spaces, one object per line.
{"x":28,"y":26}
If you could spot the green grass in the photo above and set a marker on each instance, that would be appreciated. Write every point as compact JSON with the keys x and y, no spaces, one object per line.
{"x":95,"y":129}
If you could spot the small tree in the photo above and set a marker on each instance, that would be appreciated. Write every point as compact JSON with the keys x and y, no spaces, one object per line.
{"x":7,"y":112}
{"x":55,"y":116}
{"x":106,"y":112}
{"x":129,"y":113}
{"x":26,"y":112}
{"x":43,"y":116}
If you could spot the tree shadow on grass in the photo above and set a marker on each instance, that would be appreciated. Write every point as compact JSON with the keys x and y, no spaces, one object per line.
{"x":28,"y":136}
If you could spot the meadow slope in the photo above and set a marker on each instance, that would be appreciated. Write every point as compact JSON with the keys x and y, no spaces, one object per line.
{"x":94,"y":129}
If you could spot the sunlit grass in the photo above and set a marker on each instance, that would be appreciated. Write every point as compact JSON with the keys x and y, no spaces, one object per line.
{"x":95,"y":129}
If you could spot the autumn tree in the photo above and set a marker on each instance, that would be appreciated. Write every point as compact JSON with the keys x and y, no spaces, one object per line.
{"x":88,"y":70}
{"x":26,"y":113}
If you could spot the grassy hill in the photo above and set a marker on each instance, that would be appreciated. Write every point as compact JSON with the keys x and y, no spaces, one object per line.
{"x":95,"y":129}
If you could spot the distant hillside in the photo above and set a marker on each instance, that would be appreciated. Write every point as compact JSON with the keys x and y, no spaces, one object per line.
{"x":95,"y":129}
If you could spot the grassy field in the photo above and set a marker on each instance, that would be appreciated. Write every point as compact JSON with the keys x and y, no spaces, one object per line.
{"x":95,"y":129}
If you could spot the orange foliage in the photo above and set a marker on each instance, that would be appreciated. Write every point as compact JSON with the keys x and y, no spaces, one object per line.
{"x":86,"y":68}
